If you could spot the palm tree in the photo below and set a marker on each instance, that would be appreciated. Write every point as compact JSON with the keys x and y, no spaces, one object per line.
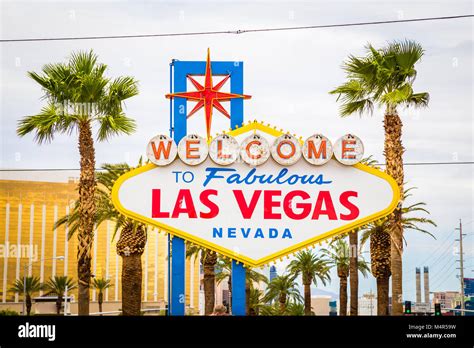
{"x":133,"y":235}
{"x":291,"y":309}
{"x":58,"y":285}
{"x":78,"y":95}
{"x":255,"y":301}
{"x":380,"y":261}
{"x":311,"y":268}
{"x":101,"y":284}
{"x":380,"y":240}
{"x":208,"y":262}
{"x":271,"y":310}
{"x":27,"y":287}
{"x":354,"y":272}
{"x":338,"y":255}
{"x":385,"y":78}
{"x":252,"y":278}
{"x":295,"y":309}
{"x":282,"y":288}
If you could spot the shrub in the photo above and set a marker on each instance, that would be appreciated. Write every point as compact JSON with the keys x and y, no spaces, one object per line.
{"x":8,"y":312}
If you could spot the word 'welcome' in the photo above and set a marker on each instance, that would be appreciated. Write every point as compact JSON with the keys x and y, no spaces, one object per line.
{"x":255,"y":150}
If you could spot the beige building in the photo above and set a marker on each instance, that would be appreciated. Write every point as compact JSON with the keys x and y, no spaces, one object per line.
{"x":28,"y":210}
{"x":447,"y":299}
{"x":320,"y":304}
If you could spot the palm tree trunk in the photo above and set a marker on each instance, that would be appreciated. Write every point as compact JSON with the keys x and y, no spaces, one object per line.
{"x":58,"y":304}
{"x":28,"y":304}
{"x":282,"y":300}
{"x":343,"y":296}
{"x":209,"y":259}
{"x":380,"y":265}
{"x":307,"y":299}
{"x":130,"y":247}
{"x":382,"y":295}
{"x":101,"y":299}
{"x":394,"y":158}
{"x":131,"y":284}
{"x":354,"y":273}
{"x":87,"y":213}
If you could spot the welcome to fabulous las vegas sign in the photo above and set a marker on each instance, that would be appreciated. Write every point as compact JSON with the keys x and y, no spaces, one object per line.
{"x":255,"y":194}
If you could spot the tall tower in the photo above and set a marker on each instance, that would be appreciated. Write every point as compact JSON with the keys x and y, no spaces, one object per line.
{"x":426,"y":284}
{"x":418,"y":285}
{"x":273,"y":272}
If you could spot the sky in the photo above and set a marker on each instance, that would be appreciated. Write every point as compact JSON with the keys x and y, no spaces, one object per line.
{"x":288,"y":74}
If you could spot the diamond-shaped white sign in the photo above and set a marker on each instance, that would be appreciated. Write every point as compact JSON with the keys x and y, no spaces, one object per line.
{"x":240,"y":212}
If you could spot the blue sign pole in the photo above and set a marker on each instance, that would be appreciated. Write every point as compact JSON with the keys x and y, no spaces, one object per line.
{"x":168,"y":241}
{"x":181,"y":70}
{"x":238,"y":288}
{"x":178,"y":258}
{"x":177,"y":252}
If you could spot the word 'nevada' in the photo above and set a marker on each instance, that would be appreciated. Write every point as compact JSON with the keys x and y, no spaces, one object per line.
{"x":255,"y":150}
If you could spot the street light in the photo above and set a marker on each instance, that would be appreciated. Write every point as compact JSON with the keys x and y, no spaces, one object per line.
{"x":24,"y":277}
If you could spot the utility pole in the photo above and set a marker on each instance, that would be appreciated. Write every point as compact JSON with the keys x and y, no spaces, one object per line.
{"x":461,"y":265}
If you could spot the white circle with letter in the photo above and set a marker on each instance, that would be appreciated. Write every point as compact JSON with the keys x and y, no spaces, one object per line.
{"x":161,"y":150}
{"x":254,"y":150}
{"x":192,"y":149}
{"x":286,"y":150}
{"x":224,"y":149}
{"x":317,"y":150}
{"x":349,"y":149}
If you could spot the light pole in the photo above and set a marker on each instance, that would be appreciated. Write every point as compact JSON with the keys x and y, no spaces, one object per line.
{"x":24,"y":277}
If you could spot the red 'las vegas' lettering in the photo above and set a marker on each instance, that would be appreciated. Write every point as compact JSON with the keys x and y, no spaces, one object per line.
{"x":289,"y":205}
{"x":213,"y":208}
{"x":247,"y":210}
{"x":184,"y":204}
{"x":353,"y":210}
{"x":296,"y":205}
{"x":324,"y":199}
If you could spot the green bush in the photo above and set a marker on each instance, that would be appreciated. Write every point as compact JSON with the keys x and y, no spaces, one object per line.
{"x":8,"y":312}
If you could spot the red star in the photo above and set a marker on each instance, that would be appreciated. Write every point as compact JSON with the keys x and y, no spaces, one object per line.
{"x":208,"y":96}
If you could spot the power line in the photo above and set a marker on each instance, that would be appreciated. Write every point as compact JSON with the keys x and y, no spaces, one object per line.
{"x":442,"y":255}
{"x":99,"y":169}
{"x":441,"y":281}
{"x":238,"y":32}
{"x":441,"y":271}
{"x":440,"y":251}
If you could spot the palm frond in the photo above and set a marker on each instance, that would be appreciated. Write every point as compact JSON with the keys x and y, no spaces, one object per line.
{"x":110,"y":125}
{"x":418,"y":100}
{"x":101,"y":283}
{"x":50,"y":121}
{"x":407,"y":53}
{"x":79,"y":91}
{"x":83,"y":62}
{"x":398,"y":96}
{"x":383,"y":77}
